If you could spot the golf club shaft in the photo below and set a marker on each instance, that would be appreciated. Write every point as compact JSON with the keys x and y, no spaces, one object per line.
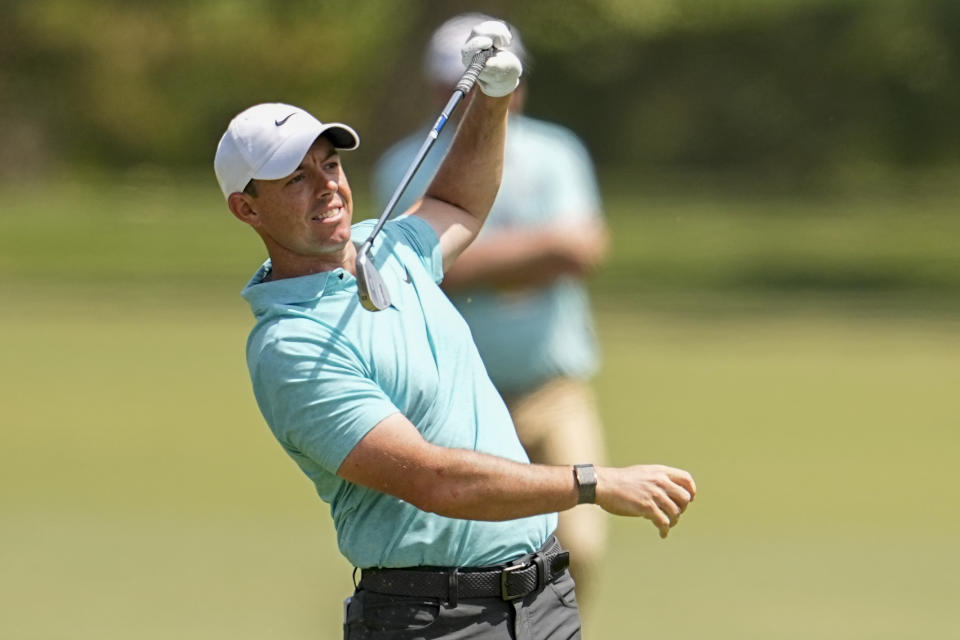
{"x":466,"y":83}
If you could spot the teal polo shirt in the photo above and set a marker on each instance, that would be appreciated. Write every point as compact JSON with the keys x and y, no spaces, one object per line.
{"x":548,"y":181}
{"x":325,"y":371}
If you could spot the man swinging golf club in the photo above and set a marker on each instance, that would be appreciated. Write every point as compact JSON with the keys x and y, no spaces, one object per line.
{"x":391,"y":413}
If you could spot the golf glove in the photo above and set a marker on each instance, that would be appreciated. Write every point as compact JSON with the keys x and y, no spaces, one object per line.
{"x":501,"y":74}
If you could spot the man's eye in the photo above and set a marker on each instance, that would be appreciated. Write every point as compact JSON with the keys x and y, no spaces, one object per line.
{"x":333,"y":165}
{"x":296,"y":178}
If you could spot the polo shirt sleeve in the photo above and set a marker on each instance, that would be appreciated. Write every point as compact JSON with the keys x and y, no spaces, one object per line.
{"x":419,"y":236}
{"x":316,"y":393}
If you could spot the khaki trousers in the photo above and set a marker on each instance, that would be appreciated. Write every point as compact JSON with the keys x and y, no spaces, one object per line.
{"x":558,"y":424}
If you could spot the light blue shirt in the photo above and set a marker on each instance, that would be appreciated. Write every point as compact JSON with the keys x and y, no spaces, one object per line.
{"x":528,"y":337}
{"x":325,"y":371}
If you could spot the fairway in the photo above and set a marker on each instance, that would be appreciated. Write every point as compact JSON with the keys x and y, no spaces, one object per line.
{"x":824,"y":455}
{"x":143,"y":497}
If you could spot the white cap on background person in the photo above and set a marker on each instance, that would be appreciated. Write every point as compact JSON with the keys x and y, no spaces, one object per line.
{"x":442,"y":62}
{"x":268,"y":141}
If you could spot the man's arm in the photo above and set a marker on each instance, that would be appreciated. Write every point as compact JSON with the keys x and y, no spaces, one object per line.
{"x":519,"y":258}
{"x":460,"y":196}
{"x":394,"y":458}
{"x":458,"y":199}
{"x":555,"y":231}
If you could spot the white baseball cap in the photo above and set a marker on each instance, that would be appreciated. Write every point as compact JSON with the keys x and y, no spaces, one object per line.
{"x":268,"y":141}
{"x":443,"y":63}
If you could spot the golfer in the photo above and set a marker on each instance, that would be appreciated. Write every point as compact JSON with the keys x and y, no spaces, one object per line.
{"x":391,"y":414}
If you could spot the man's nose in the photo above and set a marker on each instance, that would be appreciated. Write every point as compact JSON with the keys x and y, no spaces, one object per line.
{"x":326,"y":186}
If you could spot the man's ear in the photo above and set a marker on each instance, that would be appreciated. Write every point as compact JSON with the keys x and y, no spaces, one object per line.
{"x":242,"y":209}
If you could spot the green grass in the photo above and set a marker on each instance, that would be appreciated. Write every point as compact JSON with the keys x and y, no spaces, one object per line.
{"x":142,"y":496}
{"x":824,"y":451}
{"x":697,"y":244}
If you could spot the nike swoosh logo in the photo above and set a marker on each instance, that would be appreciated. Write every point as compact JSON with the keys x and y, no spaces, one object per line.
{"x":279,"y":123}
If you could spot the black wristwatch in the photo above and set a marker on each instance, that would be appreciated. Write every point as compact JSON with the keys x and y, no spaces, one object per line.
{"x":586,"y":477}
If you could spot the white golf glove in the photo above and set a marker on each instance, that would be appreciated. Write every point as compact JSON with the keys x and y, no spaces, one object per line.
{"x":501,"y":74}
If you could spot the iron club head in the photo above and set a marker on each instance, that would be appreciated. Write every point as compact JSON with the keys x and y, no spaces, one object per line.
{"x":370,"y":285}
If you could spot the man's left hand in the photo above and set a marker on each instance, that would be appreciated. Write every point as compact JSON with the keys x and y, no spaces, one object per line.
{"x":501,"y":74}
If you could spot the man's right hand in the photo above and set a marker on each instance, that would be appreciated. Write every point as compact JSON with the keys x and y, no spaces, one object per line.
{"x":578,"y":249}
{"x":655,"y":492}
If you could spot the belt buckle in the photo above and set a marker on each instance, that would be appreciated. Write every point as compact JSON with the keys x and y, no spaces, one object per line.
{"x":504,"y":574}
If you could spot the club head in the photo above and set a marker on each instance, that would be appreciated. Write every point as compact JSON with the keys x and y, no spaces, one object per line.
{"x":371,"y":289}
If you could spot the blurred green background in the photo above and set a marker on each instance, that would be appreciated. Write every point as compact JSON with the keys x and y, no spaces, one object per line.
{"x":779,"y":314}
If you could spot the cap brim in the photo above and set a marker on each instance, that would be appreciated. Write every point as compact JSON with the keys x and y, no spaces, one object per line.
{"x":342,"y":136}
{"x":290,"y":154}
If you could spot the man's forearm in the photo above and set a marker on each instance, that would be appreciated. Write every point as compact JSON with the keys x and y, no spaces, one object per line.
{"x":476,"y":486}
{"x":469,"y":176}
{"x":394,"y":458}
{"x":519,"y":258}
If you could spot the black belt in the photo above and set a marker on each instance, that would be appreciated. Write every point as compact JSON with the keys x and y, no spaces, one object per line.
{"x":508,"y":581}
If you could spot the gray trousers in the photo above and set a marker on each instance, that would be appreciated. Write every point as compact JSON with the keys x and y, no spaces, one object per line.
{"x":548,"y":614}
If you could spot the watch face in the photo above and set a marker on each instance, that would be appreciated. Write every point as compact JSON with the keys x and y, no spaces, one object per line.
{"x":586,"y":476}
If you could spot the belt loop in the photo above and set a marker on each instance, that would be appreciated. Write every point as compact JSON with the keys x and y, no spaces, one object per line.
{"x":453,"y":587}
{"x":541,"y":563}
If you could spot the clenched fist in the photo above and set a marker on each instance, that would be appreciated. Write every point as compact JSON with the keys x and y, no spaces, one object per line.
{"x":655,"y":492}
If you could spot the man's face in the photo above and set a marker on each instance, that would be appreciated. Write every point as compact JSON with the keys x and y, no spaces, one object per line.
{"x":308,"y":213}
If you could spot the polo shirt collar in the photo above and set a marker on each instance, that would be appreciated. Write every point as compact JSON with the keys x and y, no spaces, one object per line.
{"x":262,"y":295}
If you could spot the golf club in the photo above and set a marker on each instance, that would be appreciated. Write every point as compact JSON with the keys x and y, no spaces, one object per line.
{"x":370,"y":286}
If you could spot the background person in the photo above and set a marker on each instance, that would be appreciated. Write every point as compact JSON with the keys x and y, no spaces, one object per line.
{"x":521,"y":288}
